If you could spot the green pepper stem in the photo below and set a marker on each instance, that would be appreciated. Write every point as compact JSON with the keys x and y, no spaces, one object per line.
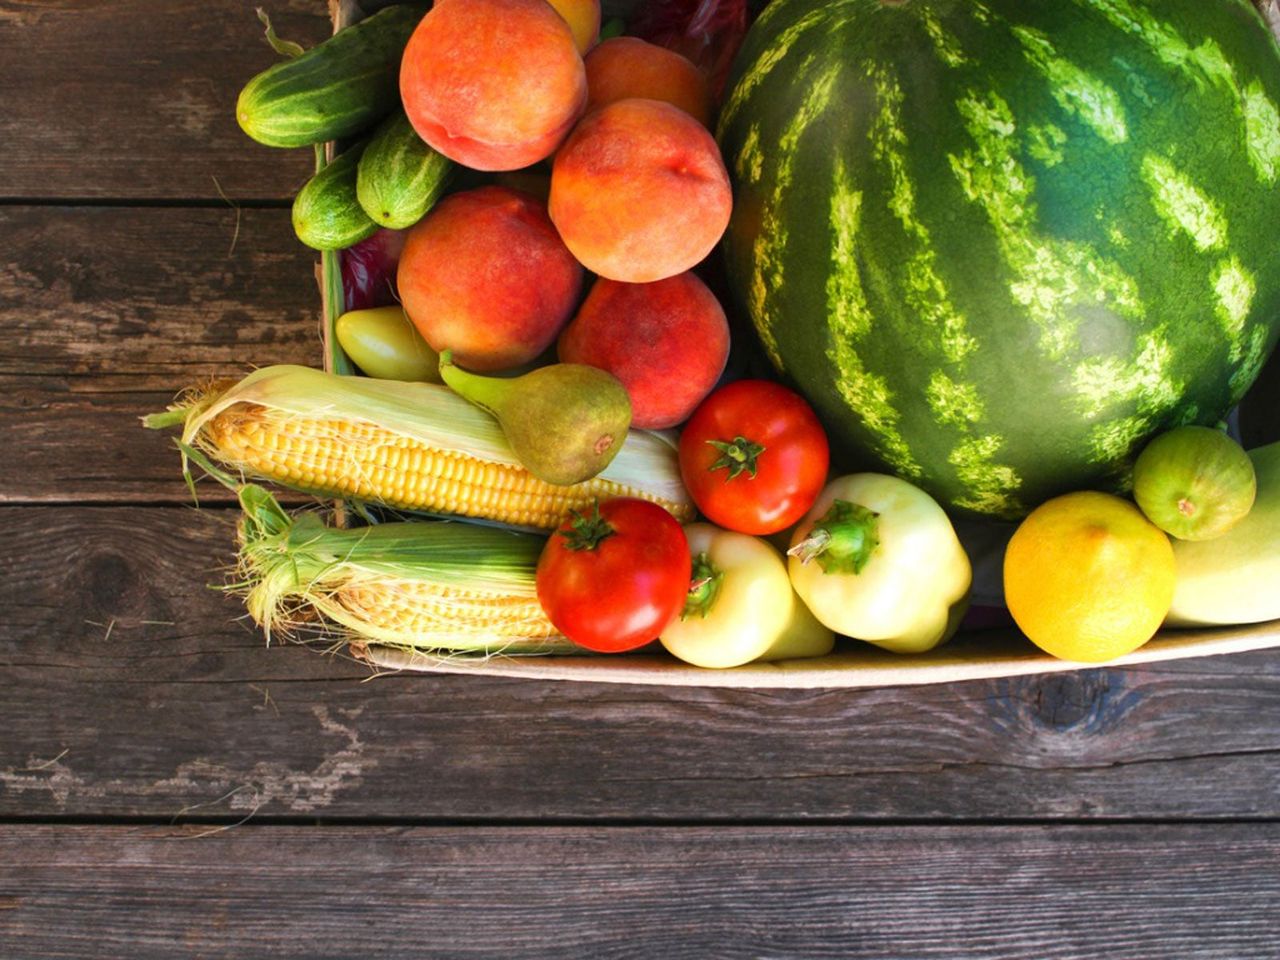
{"x":842,"y":541}
{"x":704,"y":588}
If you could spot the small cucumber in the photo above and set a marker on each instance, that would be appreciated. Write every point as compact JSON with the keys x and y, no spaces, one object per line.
{"x":400,"y":177}
{"x":336,"y":89}
{"x":326,"y":213}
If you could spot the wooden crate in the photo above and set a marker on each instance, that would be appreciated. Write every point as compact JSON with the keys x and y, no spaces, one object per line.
{"x":999,"y":652}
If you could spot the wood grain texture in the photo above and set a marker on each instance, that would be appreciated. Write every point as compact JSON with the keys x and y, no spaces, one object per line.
{"x":106,"y":313}
{"x":136,"y":98}
{"x":1178,"y":892}
{"x":128,"y":687}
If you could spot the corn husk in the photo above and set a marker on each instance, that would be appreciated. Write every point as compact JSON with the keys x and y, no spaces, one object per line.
{"x":426,"y":412}
{"x":298,"y":576}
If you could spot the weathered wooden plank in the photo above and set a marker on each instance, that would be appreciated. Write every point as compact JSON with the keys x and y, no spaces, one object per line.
{"x":105,"y":313}
{"x":136,"y":98}
{"x":1186,"y":892}
{"x":127,"y":687}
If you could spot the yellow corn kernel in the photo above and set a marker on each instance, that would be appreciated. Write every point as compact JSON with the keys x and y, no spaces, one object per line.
{"x":357,"y":459}
{"x":413,"y":446}
{"x":434,"y":586}
{"x":416,"y":613}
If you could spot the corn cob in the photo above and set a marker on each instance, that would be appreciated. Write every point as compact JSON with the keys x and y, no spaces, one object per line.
{"x":412,"y":446}
{"x":425,"y":585}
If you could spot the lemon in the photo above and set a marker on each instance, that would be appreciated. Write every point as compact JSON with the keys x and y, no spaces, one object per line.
{"x":1087,"y":577}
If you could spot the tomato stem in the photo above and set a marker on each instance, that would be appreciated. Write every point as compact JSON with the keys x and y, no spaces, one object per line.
{"x":586,"y":532}
{"x":704,"y":588}
{"x":737,"y":455}
{"x":843,"y":540}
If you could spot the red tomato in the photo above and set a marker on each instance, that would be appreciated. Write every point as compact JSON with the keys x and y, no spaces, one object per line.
{"x":754,"y":457}
{"x":612,"y":578}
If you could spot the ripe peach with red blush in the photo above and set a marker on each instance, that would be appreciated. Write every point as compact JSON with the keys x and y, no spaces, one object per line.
{"x":627,"y":67}
{"x":639,"y":191}
{"x":485,"y":275}
{"x":667,"y":341}
{"x":493,"y":84}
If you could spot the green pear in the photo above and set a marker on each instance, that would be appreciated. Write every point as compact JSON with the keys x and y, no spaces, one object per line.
{"x":565,"y":422}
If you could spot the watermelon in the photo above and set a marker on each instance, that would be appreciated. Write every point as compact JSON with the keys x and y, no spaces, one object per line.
{"x":1001,"y":243}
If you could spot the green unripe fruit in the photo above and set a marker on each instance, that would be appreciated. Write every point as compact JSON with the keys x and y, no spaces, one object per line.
{"x":383,"y":343}
{"x":1194,"y":483}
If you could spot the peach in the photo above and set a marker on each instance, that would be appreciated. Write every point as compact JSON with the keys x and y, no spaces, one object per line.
{"x":667,"y":341}
{"x":639,"y":191}
{"x":583,"y":17}
{"x":627,"y":67}
{"x":485,"y":275}
{"x":493,"y":84}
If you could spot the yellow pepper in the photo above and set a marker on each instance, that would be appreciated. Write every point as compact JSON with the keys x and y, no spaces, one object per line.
{"x":877,"y":559}
{"x":741,"y":607}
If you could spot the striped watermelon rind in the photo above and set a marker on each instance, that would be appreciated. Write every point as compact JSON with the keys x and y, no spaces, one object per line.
{"x":1001,"y":243}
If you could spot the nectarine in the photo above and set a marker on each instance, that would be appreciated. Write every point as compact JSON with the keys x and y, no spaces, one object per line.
{"x":484,"y":274}
{"x":626,"y":67}
{"x":493,"y":84}
{"x":667,"y":341}
{"x":639,"y":191}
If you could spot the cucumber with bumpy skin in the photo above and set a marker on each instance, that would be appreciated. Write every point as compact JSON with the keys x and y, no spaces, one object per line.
{"x":336,"y":89}
{"x":400,"y":176}
{"x":326,"y":213}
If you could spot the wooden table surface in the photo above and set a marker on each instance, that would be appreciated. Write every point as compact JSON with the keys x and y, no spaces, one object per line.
{"x":170,"y":786}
